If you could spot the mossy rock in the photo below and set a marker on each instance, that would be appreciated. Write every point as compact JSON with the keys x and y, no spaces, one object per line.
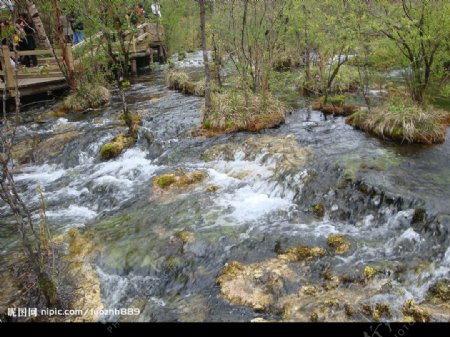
{"x":339,"y":242}
{"x":185,"y":236}
{"x":440,"y":291}
{"x":212,"y":188}
{"x":165,"y":180}
{"x":302,"y":253}
{"x":179,"y":179}
{"x":369,"y":272}
{"x":418,"y":314}
{"x":117,"y":145}
{"x":382,"y":310}
{"x":319,"y":210}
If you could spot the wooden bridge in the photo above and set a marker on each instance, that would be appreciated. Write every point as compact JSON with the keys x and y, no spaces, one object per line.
{"x":48,"y":77}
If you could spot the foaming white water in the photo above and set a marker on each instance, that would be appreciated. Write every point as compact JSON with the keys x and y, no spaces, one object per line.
{"x":446,"y":259}
{"x":249,"y":189}
{"x":73,"y":215}
{"x":194,"y":59}
{"x":118,"y":291}
{"x":249,"y":205}
{"x":40,"y":175}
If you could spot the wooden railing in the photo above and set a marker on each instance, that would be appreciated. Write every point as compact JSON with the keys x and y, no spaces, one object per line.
{"x":47,"y":66}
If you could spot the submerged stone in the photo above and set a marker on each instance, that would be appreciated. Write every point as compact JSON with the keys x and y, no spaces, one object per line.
{"x":254,"y":285}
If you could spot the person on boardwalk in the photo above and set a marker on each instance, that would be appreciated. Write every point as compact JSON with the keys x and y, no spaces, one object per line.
{"x":77,"y":27}
{"x":65,"y":27}
{"x":27,"y":42}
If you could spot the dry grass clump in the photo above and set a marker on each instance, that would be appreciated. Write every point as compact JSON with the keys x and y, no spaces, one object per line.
{"x":234,"y":111}
{"x":180,"y":81}
{"x":403,"y":120}
{"x":87,"y":97}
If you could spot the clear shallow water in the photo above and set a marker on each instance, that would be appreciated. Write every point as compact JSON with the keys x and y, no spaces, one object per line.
{"x":264,"y":200}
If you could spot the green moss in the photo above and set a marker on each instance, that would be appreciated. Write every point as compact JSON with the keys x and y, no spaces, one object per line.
{"x":418,"y":314}
{"x":231,"y":271}
{"x":349,"y":310}
{"x":116,"y":146}
{"x":369,"y":272}
{"x":113,"y":222}
{"x":212,"y":188}
{"x":185,"y":236}
{"x":303,"y":253}
{"x":319,"y":210}
{"x":165,"y":180}
{"x":440,"y":291}
{"x":181,"y":56}
{"x":339,"y":242}
{"x":337,"y":100}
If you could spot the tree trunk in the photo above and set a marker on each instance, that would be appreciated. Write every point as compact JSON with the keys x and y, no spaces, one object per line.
{"x":205,"y":59}
{"x":38,"y":25}
{"x":67,"y":59}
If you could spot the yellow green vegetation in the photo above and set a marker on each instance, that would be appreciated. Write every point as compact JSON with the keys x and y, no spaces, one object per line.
{"x":369,"y":272}
{"x":319,"y":210}
{"x":253,"y":285}
{"x":234,"y":111}
{"x":212,"y":188}
{"x":302,"y":253}
{"x":178,"y":179}
{"x":402,"y":120}
{"x":180,"y":81}
{"x":116,"y":146}
{"x":440,"y":292}
{"x":89,"y":96}
{"x":185,"y":236}
{"x":412,"y":311}
{"x":339,"y":242}
{"x":381,"y":310}
{"x":335,"y":105}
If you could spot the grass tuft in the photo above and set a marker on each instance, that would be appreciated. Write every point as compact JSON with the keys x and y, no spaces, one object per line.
{"x":402,"y":120}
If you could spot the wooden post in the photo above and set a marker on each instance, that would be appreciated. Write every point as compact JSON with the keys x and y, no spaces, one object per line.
{"x":149,"y":52}
{"x":8,"y":69}
{"x":134,"y":66}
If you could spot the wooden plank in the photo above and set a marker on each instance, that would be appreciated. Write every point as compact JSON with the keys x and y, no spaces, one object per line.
{"x":38,"y":52}
{"x":43,"y":76}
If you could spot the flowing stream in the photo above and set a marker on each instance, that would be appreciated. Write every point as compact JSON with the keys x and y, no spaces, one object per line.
{"x":267,"y":186}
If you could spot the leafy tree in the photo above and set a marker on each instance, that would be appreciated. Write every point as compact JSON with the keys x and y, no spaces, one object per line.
{"x":420,"y":30}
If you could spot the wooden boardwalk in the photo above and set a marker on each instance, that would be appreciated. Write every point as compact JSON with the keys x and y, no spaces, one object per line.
{"x":47,"y":76}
